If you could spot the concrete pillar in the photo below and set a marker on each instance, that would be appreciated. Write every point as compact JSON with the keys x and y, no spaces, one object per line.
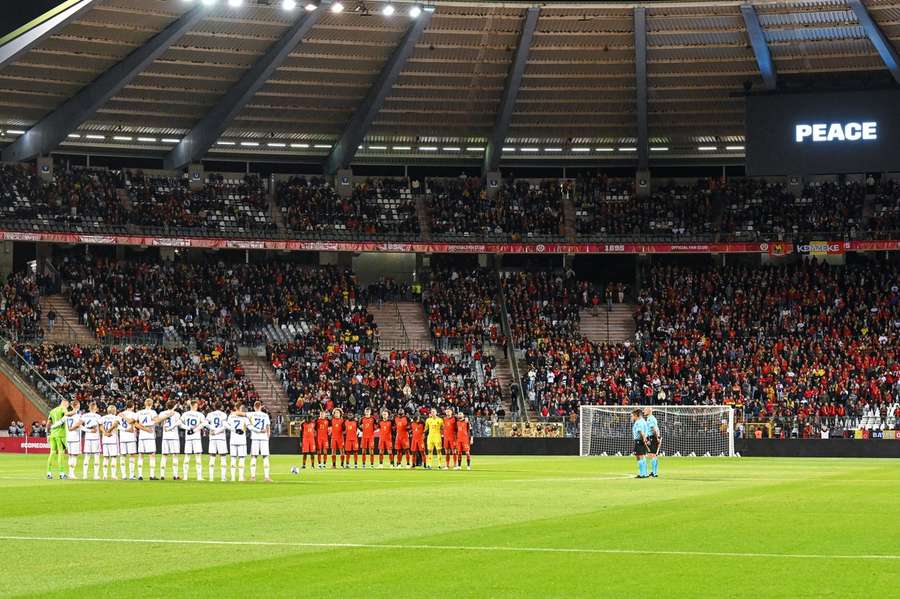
{"x":6,"y":259}
{"x":343,"y":182}
{"x":45,"y":168}
{"x":492,"y":181}
{"x":642,"y":184}
{"x":196,"y":176}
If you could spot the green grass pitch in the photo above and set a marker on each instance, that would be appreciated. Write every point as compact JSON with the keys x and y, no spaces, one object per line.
{"x":513,"y":526}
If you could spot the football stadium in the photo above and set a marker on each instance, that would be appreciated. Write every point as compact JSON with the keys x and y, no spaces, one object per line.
{"x":450,"y":298}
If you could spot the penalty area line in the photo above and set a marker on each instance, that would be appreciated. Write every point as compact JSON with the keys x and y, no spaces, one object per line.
{"x":490,"y":548}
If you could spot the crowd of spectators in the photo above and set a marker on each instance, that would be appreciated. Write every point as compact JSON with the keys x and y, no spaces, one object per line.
{"x":376,"y":207}
{"x":462,"y":308}
{"x":20,"y":307}
{"x":884,"y":223}
{"x":196,"y":302}
{"x":806,"y":346}
{"x":113,"y":375}
{"x":517,"y":210}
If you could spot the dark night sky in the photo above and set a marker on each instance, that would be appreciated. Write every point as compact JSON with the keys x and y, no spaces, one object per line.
{"x":15,"y":13}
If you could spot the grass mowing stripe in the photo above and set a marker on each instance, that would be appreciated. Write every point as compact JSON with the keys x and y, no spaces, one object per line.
{"x":581,"y":550}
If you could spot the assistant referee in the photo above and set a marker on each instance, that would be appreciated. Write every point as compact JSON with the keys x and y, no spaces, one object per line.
{"x":654,"y":438}
{"x":639,"y":434}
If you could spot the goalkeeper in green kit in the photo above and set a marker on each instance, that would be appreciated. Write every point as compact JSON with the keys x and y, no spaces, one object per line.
{"x":56,"y":420}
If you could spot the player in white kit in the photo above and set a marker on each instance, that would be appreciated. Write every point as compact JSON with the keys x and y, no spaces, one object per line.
{"x":218,"y":442}
{"x":109,"y":429}
{"x":147,"y":419}
{"x":171,"y":442}
{"x":90,"y":426}
{"x":192,"y":422}
{"x":127,"y":439}
{"x":260,"y":429}
{"x":73,"y":436}
{"x":237,"y":424}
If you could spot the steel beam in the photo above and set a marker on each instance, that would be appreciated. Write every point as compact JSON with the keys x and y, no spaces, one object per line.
{"x":50,"y":131}
{"x":354,"y":133}
{"x":510,"y":92}
{"x":30,"y":35}
{"x":876,"y":36}
{"x":206,"y":132}
{"x":640,"y":73}
{"x":760,"y":47}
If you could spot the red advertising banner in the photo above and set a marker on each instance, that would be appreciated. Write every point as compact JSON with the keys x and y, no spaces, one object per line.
{"x":774,"y":248}
{"x":24,"y":445}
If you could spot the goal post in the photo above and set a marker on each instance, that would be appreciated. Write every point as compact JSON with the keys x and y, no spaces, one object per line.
{"x":685,"y":430}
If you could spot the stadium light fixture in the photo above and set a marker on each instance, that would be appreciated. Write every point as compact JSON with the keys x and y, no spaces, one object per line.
{"x":659,"y":149}
{"x":235,"y":3}
{"x":147,"y":140}
{"x":475,"y":149}
{"x":604,"y":150}
{"x":15,"y":132}
{"x":388,"y":10}
{"x":529,"y":150}
{"x":288,"y":4}
{"x":629,"y":149}
{"x":300,"y":145}
{"x":93,"y":136}
{"x":168,"y":140}
{"x":322,"y":146}
{"x":208,"y":2}
{"x":453,"y":149}
{"x":508,"y":150}
{"x":581,"y":150}
{"x":553,"y":150}
{"x":311,"y":6}
{"x":225,"y":143}
{"x":401,"y":148}
{"x":74,"y":136}
{"x":250,"y":144}
{"x":276,"y":145}
{"x":414,"y":11}
{"x":123,"y":138}
{"x":707,"y":148}
{"x":734,"y":148}
{"x":378,"y":148}
{"x":428,"y":148}
{"x":337,"y":7}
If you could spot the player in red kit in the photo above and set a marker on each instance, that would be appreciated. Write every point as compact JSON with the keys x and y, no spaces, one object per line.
{"x":417,"y":446}
{"x":322,"y":425}
{"x":449,"y":437}
{"x":368,"y":437}
{"x":384,"y":438}
{"x":309,"y":441}
{"x":351,"y":439}
{"x":401,"y":438}
{"x":463,"y":441}
{"x":337,"y":437}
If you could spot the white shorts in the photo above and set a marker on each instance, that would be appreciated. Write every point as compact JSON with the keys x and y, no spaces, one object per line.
{"x":238,"y":451}
{"x":193,"y":446}
{"x":170,"y":446}
{"x":110,"y":450}
{"x":73,"y":447}
{"x":147,"y":445}
{"x":259,"y":447}
{"x":128,"y":447}
{"x":92,"y":446}
{"x":218,"y":447}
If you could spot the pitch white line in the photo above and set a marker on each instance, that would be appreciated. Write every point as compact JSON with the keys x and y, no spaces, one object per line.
{"x":501,"y":548}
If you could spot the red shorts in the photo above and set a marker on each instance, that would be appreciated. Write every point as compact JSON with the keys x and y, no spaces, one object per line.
{"x":368,"y":442}
{"x":337,"y":443}
{"x":351,"y":444}
{"x":449,"y":443}
{"x":322,"y":443}
{"x":417,"y":445}
{"x":384,"y":444}
{"x":309,"y":446}
{"x":462,"y":446}
{"x":401,"y":442}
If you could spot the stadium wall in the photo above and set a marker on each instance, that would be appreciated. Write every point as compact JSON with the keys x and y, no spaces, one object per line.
{"x":15,"y":406}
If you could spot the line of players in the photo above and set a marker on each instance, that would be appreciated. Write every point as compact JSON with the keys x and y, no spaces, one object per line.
{"x":132,"y":435}
{"x":342,"y":436}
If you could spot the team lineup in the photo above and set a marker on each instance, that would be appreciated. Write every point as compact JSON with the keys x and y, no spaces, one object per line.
{"x":132,"y":435}
{"x":116,"y":443}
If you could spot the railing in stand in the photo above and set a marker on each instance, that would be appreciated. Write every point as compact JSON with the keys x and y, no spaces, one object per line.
{"x":511,"y":352}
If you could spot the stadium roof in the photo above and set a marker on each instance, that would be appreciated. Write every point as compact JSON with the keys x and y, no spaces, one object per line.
{"x":233,"y":77}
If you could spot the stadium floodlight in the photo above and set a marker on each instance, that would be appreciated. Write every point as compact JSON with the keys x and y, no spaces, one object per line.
{"x":235,"y":3}
{"x":414,"y":11}
{"x":707,"y":148}
{"x":123,"y":138}
{"x":322,"y":146}
{"x":300,"y":145}
{"x":337,"y":7}
{"x":453,"y":149}
{"x":225,"y":143}
{"x":378,"y":148}
{"x":581,"y":150}
{"x":529,"y":150}
{"x":659,"y":149}
{"x":604,"y":149}
{"x":168,"y":140}
{"x":401,"y":148}
{"x":250,"y":144}
{"x":428,"y":148}
{"x":553,"y":150}
{"x":288,"y":4}
{"x":147,"y":140}
{"x":628,"y":149}
{"x":15,"y":132}
{"x":686,"y":430}
{"x":388,"y":10}
{"x":734,"y":148}
{"x":507,"y":149}
{"x":74,"y":135}
{"x":94,"y":136}
{"x":276,"y":145}
{"x":208,"y":2}
{"x":475,"y":149}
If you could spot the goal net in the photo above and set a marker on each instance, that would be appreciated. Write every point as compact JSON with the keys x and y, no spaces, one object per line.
{"x":685,"y":430}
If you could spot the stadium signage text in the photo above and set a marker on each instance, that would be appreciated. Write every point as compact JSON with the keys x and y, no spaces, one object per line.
{"x":832,"y":132}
